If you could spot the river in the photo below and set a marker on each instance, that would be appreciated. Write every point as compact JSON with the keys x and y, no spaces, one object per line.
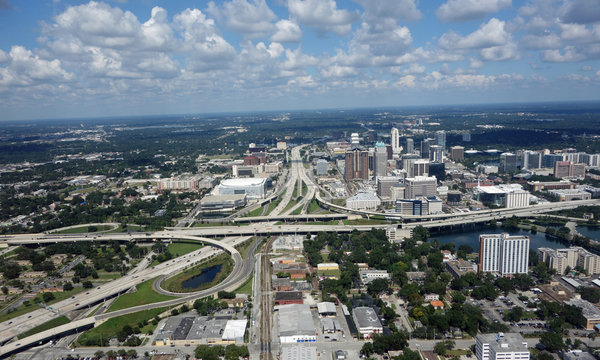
{"x":589,"y":231}
{"x":471,"y":237}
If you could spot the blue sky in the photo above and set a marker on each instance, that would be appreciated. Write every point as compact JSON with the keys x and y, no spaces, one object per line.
{"x":62,"y":59}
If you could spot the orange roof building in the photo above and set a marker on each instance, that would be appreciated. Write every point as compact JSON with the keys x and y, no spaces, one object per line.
{"x":437,"y":304}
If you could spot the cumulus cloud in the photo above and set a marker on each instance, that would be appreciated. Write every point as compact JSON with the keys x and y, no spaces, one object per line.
{"x":397,"y":9}
{"x":252,"y":19}
{"x":23,"y":68}
{"x":569,"y":54}
{"x":465,"y":10}
{"x":322,"y":15}
{"x":287,"y":32}
{"x":489,"y":34}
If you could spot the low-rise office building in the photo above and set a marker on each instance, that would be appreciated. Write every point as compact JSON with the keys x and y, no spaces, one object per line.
{"x":588,"y":310}
{"x":367,"y":322}
{"x":366,"y":276}
{"x":222,"y":202}
{"x":501,"y":346}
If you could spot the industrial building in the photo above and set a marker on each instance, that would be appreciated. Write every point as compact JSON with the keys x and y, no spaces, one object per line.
{"x":326,"y":309}
{"x":289,"y":242}
{"x":367,"y":322}
{"x":363,"y":201}
{"x":196,"y":330}
{"x":590,"y":312}
{"x":560,"y":259}
{"x":251,"y":187}
{"x":501,"y":346}
{"x":288,"y":297}
{"x":296,"y":324}
{"x":503,"y":254}
{"x":222,"y":202}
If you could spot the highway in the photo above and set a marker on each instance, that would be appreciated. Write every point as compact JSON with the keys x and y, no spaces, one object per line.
{"x":242,"y":270}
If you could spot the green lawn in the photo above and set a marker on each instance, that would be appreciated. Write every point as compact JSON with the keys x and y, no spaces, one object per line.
{"x":297,"y":211}
{"x":273,"y":204}
{"x":256,"y":212}
{"x":246,"y":287}
{"x":244,"y":247}
{"x":290,"y":205}
{"x":364,"y":222}
{"x":450,"y":353}
{"x":111,"y":327}
{"x":120,"y":229}
{"x":83,"y":229}
{"x":330,"y":273}
{"x":10,"y":253}
{"x":182,"y":248}
{"x":24,"y":309}
{"x":46,"y":326}
{"x":174,"y":283}
{"x":313,"y":206}
{"x":144,"y":295}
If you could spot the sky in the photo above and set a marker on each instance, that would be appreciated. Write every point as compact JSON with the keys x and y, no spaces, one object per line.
{"x":70,"y":59}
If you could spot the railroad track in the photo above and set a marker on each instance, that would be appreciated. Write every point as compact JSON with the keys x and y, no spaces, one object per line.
{"x":266,"y":321}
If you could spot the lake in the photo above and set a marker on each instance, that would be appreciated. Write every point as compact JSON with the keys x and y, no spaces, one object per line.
{"x":589,"y":231}
{"x":206,"y":276}
{"x":471,"y":237}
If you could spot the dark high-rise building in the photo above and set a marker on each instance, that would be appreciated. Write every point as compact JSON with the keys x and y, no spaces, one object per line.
{"x":508,"y":162}
{"x":425,"y":144}
{"x":438,"y":170}
{"x":357,"y":165}
{"x":410,"y":146}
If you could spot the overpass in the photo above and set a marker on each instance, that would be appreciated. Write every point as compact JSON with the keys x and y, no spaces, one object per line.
{"x":292,"y":218}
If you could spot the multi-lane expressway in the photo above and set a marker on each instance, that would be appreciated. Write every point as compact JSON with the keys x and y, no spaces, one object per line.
{"x":13,"y":327}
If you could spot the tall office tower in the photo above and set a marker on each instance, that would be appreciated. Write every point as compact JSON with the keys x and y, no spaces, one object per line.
{"x":380,"y":159}
{"x":566,"y":169}
{"x":356,"y":165}
{"x":457,"y":153}
{"x":396,"y":149}
{"x":420,"y":186}
{"x":436,"y":154}
{"x":440,"y":138}
{"x":425,"y":144}
{"x":354,"y":139}
{"x":548,"y":160}
{"x":508,"y":162}
{"x":466,"y":137}
{"x":420,"y":168}
{"x":532,"y":160}
{"x":410,"y":146}
{"x":504,"y":254}
{"x":407,"y":163}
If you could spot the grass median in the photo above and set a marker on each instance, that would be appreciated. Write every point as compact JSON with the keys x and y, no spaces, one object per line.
{"x":145,"y":294}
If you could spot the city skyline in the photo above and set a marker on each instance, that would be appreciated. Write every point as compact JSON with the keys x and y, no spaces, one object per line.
{"x":118,"y":58}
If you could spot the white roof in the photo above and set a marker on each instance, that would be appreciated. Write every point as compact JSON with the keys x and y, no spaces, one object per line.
{"x":234,"y":329}
{"x":326,"y":307}
{"x":363,"y":196}
{"x":299,"y":352}
{"x":243,"y":182}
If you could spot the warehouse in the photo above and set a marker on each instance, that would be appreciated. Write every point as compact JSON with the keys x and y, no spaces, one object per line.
{"x":296,"y":324}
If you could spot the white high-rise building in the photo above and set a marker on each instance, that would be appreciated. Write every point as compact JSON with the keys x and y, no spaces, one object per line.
{"x":501,"y":346}
{"x":504,"y":254}
{"x":532,"y":160}
{"x":396,"y":149}
{"x":380,"y":159}
{"x":440,"y":139}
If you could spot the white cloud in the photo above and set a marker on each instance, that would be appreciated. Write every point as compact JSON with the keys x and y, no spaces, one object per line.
{"x":587,"y":68}
{"x":407,"y":81}
{"x":397,"y":9}
{"x":209,"y":49}
{"x":322,"y":15}
{"x":465,"y":10}
{"x":287,"y":32}
{"x":569,"y":54}
{"x":252,"y":19}
{"x":490,"y":34}
{"x":384,"y":38}
{"x":505,"y":52}
{"x":337,"y":71}
{"x":303,"y":81}
{"x":297,"y":60}
{"x":23,"y":68}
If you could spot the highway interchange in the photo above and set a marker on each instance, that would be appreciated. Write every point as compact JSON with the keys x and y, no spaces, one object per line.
{"x":230,"y":237}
